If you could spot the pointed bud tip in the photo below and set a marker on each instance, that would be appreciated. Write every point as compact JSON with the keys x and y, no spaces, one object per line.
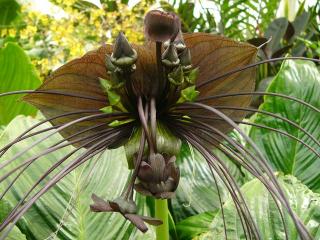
{"x":170,"y":56}
{"x":123,"y":54}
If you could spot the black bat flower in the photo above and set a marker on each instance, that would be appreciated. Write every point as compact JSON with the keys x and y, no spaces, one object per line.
{"x":192,"y":87}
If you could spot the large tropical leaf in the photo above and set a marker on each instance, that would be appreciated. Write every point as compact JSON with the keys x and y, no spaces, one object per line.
{"x":301,"y":80}
{"x":265,"y":213}
{"x":16,"y":73}
{"x":64,"y":210}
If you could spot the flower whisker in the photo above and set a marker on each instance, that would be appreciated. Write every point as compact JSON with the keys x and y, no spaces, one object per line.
{"x":240,"y":69}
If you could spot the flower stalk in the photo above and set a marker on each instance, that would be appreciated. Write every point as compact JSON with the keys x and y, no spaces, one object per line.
{"x":162,"y":213}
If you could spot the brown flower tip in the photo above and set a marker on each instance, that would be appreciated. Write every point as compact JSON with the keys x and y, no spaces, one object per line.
{"x":161,"y":26}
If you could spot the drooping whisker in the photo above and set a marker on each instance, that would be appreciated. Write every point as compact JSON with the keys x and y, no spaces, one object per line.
{"x":153,"y":122}
{"x":45,"y":152}
{"x":77,"y":134}
{"x":230,"y":188}
{"x":230,"y":183}
{"x":88,"y":154}
{"x":144,"y":124}
{"x":90,"y":117}
{"x":209,"y":131}
{"x":219,"y":194}
{"x":292,"y":123}
{"x":138,"y":160}
{"x":203,"y":99}
{"x":104,"y":136}
{"x":7,"y":147}
{"x":54,"y":92}
{"x":17,"y":139}
{"x":304,"y":234}
{"x":281,"y":132}
{"x":254,"y":65}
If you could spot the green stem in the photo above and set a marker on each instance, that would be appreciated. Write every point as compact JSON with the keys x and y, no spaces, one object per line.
{"x":161,"y":207}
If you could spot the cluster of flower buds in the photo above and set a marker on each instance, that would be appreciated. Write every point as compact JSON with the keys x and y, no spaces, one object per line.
{"x":123,"y":57}
{"x":163,"y":27}
{"x":119,"y":65}
{"x":177,"y":61}
{"x":158,"y":176}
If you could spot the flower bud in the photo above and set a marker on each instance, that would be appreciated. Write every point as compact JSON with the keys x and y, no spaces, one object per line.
{"x":125,"y":206}
{"x":109,"y":65}
{"x":158,"y":176}
{"x":185,"y":59}
{"x":170,"y":57}
{"x":179,"y":42}
{"x":161,"y":26}
{"x":123,"y":54}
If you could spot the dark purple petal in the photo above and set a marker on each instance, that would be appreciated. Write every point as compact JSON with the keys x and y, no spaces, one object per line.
{"x":145,"y":172}
{"x":137,"y":221}
{"x":100,"y":205}
{"x":151,"y":220}
{"x":141,"y":189}
{"x":165,"y":195}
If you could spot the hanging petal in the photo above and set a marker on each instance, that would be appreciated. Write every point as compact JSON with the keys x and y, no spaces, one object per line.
{"x":100,"y":205}
{"x":151,"y":220}
{"x":137,"y":221}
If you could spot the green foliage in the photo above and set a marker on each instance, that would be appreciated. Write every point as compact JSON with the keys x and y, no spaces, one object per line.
{"x":9,"y":11}
{"x":194,"y":225}
{"x":186,"y":11}
{"x":64,"y":210}
{"x":264,"y":211}
{"x":302,"y":80}
{"x":5,"y":209}
{"x":16,"y":73}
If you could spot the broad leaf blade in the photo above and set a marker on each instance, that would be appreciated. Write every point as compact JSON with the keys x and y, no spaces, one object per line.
{"x":265,"y":213}
{"x":16,"y":73}
{"x":195,"y":225}
{"x":301,"y":80}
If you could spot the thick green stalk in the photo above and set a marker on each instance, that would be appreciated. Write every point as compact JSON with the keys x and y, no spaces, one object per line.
{"x":161,"y":207}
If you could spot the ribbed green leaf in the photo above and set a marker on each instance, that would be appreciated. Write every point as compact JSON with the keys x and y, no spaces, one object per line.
{"x":301,"y":80}
{"x":16,"y":73}
{"x":264,"y":211}
{"x":64,"y":210}
{"x":193,"y":226}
